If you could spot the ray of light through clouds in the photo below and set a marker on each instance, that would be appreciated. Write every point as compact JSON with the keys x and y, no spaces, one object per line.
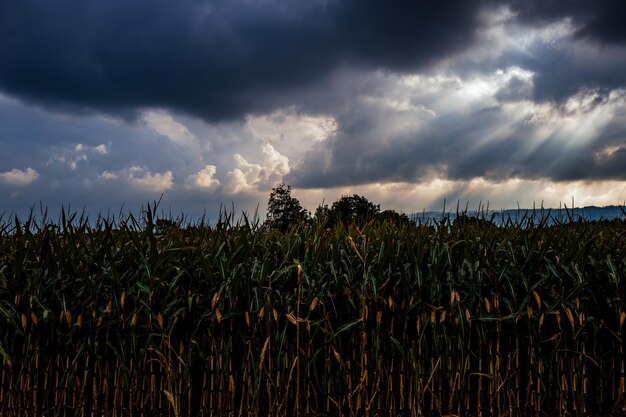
{"x":209,"y":103}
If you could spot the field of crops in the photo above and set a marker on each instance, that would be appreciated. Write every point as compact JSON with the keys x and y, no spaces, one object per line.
{"x":123,"y":318}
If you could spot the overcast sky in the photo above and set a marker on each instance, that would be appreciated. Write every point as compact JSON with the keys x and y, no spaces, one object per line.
{"x":110,"y":104}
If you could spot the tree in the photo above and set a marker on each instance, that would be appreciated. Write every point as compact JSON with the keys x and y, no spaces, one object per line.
{"x":353,"y":209}
{"x":283,"y":210}
{"x":321,"y":213}
{"x":393,"y":217}
{"x":164,"y":226}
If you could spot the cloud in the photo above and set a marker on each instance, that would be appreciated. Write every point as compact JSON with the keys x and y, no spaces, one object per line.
{"x":471,"y":130}
{"x":146,"y":181}
{"x":101,"y":149}
{"x":475,"y":193}
{"x":289,"y":125}
{"x":164,"y":124}
{"x":225,"y":60}
{"x":599,"y":20}
{"x":106,"y":175}
{"x":329,"y":96}
{"x":204,"y":179}
{"x":250,"y":177}
{"x":19,"y":178}
{"x":569,"y":67}
{"x":73,"y":156}
{"x":216,"y":60}
{"x":141,"y":179}
{"x":548,"y":46}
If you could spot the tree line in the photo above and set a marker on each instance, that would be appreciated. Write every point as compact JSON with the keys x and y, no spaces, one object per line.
{"x":285,"y":211}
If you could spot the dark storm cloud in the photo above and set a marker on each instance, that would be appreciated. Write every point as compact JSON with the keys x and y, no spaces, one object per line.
{"x":564,"y":69}
{"x":214,"y":62}
{"x":463,"y":148}
{"x":215,"y":59}
{"x":600,"y":20}
{"x":515,"y":90}
{"x":591,"y":57}
{"x":222,"y":59}
{"x":358,"y":156}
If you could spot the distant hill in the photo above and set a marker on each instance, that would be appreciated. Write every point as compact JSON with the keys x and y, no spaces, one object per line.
{"x":518,"y":216}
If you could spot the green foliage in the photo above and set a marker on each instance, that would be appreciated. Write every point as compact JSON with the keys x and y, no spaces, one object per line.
{"x":455,"y":318}
{"x":358,"y":210}
{"x":395,"y":218}
{"x":165,"y":225}
{"x":349,"y":210}
{"x":284,"y":211}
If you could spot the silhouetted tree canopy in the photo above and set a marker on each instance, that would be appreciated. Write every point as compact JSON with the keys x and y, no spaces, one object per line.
{"x":353,"y":209}
{"x":283,"y":210}
{"x":393,"y":217}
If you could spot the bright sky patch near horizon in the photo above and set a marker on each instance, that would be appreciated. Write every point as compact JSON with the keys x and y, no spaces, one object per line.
{"x":106,"y":104}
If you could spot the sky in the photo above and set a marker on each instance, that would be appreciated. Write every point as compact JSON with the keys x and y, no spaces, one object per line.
{"x":108,"y":105}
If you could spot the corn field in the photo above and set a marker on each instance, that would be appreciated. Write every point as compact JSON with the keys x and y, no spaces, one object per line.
{"x":119,"y":318}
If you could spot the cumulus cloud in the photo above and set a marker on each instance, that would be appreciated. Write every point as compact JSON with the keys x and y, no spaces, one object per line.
{"x":204,"y":179}
{"x":19,"y":178}
{"x":142,"y":179}
{"x":288,"y":124}
{"x":147,"y":181}
{"x":247,"y":177}
{"x":106,"y":175}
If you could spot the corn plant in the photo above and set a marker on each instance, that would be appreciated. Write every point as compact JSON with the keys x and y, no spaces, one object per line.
{"x":128,"y":317}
